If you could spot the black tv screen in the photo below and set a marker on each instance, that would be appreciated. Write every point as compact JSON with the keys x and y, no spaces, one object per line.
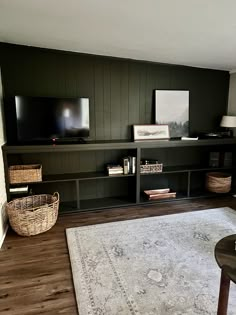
{"x":44,"y":118}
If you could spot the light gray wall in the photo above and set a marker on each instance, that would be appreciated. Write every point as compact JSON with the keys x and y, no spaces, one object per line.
{"x":3,"y":198}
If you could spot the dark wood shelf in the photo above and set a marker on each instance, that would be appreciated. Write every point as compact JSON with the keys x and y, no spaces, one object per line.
{"x":102,"y":175}
{"x":73,"y":177}
{"x":205,"y":194}
{"x":97,"y":175}
{"x":184,"y":178}
{"x":144,"y":200}
{"x":109,"y":202}
{"x":68,"y":207}
{"x":114,"y":145}
{"x":187,"y":168}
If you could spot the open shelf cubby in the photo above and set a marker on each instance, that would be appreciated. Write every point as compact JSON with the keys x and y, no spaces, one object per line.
{"x":77,"y":171}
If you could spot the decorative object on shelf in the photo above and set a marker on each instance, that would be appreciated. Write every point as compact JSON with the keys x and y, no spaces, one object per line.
{"x":151,"y":168}
{"x":25,"y":173}
{"x":151,"y":132}
{"x":228,"y":122}
{"x":172,"y":108}
{"x":33,"y":214}
{"x":218,"y":182}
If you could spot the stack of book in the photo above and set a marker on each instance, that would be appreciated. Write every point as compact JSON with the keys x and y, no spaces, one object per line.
{"x":129,"y":165}
{"x":156,"y":194}
{"x":114,"y":170}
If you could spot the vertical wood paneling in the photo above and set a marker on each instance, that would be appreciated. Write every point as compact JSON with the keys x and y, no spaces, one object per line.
{"x":99,"y":100}
{"x":70,"y":76}
{"x":121,"y":91}
{"x":134,"y":85}
{"x":150,"y":87}
{"x":124,"y":101}
{"x":115,"y":100}
{"x":142,"y":93}
{"x":107,"y":100}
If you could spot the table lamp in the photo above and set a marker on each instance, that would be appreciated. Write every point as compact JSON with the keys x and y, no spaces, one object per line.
{"x":228,"y":122}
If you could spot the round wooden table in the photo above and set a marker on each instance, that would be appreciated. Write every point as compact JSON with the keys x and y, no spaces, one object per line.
{"x":225,"y":254}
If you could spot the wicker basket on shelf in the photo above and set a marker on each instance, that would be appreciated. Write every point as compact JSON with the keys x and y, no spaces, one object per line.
{"x":151,"y":168}
{"x":25,"y":173}
{"x":218,"y":182}
{"x":33,"y":214}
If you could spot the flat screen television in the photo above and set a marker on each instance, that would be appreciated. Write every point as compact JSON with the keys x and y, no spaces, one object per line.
{"x":45,"y":118}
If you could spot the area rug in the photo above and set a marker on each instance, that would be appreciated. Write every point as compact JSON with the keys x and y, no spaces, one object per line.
{"x":161,"y":265}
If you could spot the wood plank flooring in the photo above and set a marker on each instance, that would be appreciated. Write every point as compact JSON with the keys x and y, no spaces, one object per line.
{"x":35,"y":274}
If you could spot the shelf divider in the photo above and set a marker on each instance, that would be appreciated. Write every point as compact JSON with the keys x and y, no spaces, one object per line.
{"x":77,"y":195}
{"x":138,"y":158}
{"x":189,"y":184}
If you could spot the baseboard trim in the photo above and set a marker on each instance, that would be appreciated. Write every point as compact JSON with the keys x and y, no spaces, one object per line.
{"x":4,"y":235}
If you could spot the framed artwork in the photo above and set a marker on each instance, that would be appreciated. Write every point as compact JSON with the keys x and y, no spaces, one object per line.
{"x":172,"y":109}
{"x":151,"y":132}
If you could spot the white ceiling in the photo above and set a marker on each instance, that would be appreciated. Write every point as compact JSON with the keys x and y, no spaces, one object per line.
{"x":188,"y":32}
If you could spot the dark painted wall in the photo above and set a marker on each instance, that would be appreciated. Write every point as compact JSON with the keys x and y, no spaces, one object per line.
{"x":120,"y":90}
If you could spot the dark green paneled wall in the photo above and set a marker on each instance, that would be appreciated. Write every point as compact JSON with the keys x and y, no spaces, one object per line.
{"x":120,"y":90}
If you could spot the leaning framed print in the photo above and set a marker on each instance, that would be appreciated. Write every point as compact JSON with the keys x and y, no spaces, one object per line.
{"x":151,"y":132}
{"x":172,"y":109}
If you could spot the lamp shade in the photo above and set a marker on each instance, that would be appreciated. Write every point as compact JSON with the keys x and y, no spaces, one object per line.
{"x":228,"y":121}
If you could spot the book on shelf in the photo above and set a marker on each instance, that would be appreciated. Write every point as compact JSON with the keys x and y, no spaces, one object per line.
{"x":157,"y":191}
{"x":189,"y":138}
{"x":162,"y":196}
{"x":155,"y":194}
{"x":129,"y":165}
{"x":133,"y":165}
{"x":114,"y":174}
{"x":126,"y":166}
{"x":19,"y":190}
{"x":114,"y":169}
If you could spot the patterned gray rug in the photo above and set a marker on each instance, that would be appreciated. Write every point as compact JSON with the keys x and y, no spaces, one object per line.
{"x":153,"y":266}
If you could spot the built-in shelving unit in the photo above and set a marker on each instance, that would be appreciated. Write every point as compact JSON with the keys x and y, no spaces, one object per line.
{"x":76,"y":171}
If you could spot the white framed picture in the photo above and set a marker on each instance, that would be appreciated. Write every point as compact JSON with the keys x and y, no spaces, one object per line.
{"x":172,"y":109}
{"x":151,"y":132}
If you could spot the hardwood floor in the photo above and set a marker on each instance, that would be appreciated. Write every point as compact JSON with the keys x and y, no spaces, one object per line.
{"x":35,"y":274}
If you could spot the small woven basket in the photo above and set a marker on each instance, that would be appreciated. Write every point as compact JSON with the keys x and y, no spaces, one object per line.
{"x":218,"y":182}
{"x":25,"y":173}
{"x":151,"y":168}
{"x":33,"y":214}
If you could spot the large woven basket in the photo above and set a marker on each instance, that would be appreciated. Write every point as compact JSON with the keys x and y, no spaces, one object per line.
{"x":218,"y":182}
{"x":33,"y":214}
{"x":25,"y":173}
